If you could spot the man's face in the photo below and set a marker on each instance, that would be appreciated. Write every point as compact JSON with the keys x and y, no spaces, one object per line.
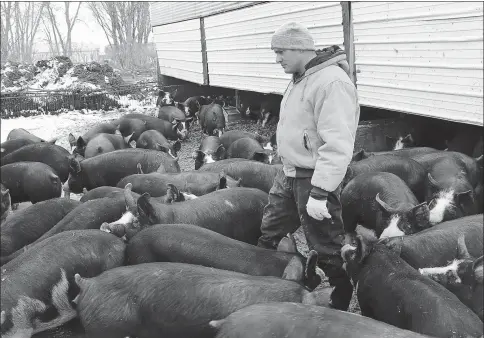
{"x":289,"y":59}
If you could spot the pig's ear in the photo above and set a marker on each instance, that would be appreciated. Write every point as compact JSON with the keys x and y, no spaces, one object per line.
{"x":129,"y":199}
{"x":408,"y":139}
{"x":222,"y":184}
{"x":312,"y":279}
{"x":173,"y":195}
{"x":72,"y":140}
{"x":139,"y":169}
{"x":462,"y":252}
{"x":220,"y":153}
{"x":477,"y":267}
{"x":384,"y":206}
{"x":81,"y":143}
{"x":394,"y":244}
{"x":294,"y":270}
{"x":359,"y":156}
{"x":464,"y":198}
{"x":145,"y":209}
{"x":479,"y":160}
{"x":74,"y":165}
{"x":259,"y":156}
{"x":177,"y":146}
{"x":362,"y":248}
{"x":390,"y":141}
{"x":287,"y":244}
{"x":200,"y":155}
{"x":433,"y":183}
{"x":421,"y":214}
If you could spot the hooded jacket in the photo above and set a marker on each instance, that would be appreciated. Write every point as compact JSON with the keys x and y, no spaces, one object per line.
{"x":318,"y":120}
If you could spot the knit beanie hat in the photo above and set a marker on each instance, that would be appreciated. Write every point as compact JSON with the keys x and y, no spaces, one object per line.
{"x":292,"y":36}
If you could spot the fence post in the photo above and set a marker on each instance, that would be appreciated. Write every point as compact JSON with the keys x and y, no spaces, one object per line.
{"x":349,"y":38}
{"x":204,"y":52}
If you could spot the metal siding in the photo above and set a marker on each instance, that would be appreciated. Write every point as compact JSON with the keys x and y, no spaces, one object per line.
{"x":165,"y":12}
{"x":424,"y":58}
{"x":238,"y":43}
{"x":179,"y":50}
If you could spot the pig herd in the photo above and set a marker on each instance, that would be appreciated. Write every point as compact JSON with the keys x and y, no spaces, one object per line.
{"x":150,"y":251}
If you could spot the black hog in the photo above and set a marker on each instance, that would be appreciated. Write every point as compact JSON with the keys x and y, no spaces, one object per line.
{"x":196,"y":183}
{"x":174,"y":288}
{"x":131,"y":128}
{"x":10,"y":146}
{"x":212,"y":119}
{"x":210,"y":150}
{"x":235,"y":213}
{"x":449,"y":192}
{"x":171,"y":130}
{"x":249,"y":104}
{"x":166,"y":98}
{"x":5,"y":203}
{"x":27,"y":225}
{"x":109,"y":168}
{"x":176,"y":117}
{"x":437,"y":246}
{"x":400,"y":142}
{"x":104,"y":143}
{"x":391,"y":291}
{"x":251,"y":174}
{"x":250,"y":149}
{"x":153,"y":139}
{"x":463,"y":277}
{"x":192,"y":105}
{"x":54,"y":156}
{"x":202,"y":247}
{"x":470,"y":165}
{"x":293,"y":320}
{"x":405,"y":152}
{"x":81,"y":142}
{"x":412,"y":173}
{"x":30,"y":181}
{"x":87,"y":215}
{"x":465,"y":139}
{"x":172,"y":194}
{"x":382,"y":202}
{"x":24,"y":134}
{"x":37,"y":287}
{"x":231,"y":136}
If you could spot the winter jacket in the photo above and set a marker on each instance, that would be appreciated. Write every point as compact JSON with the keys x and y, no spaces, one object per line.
{"x":318,"y":120}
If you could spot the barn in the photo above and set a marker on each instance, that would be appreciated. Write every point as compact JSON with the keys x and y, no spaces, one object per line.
{"x":418,"y":58}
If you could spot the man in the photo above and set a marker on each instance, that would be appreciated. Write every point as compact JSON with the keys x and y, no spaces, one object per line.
{"x":315,"y":138}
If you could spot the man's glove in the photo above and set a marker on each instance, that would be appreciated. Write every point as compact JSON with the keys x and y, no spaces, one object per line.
{"x":317,"y":209}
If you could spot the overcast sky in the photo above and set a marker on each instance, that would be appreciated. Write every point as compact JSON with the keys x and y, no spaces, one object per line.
{"x":86,"y":31}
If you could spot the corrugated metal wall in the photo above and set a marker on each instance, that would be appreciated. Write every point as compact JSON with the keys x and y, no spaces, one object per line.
{"x":424,"y":58}
{"x":239,"y":54}
{"x":164,"y":12}
{"x":179,"y":50}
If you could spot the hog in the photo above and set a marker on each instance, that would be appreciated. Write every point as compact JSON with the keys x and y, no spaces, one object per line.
{"x":109,"y":168}
{"x":252,"y":174}
{"x":235,"y":213}
{"x":131,"y":129}
{"x":104,"y":143}
{"x":27,"y":225}
{"x":175,"y":130}
{"x":152,"y":139}
{"x":30,"y":181}
{"x":391,"y":291}
{"x":81,"y":142}
{"x":21,"y":133}
{"x":250,"y":149}
{"x":210,"y":150}
{"x":411,"y":172}
{"x":166,"y":98}
{"x":293,"y":320}
{"x":231,"y":136}
{"x":54,"y":156}
{"x":405,"y":152}
{"x":382,"y":202}
{"x":212,"y":119}
{"x":10,"y":146}
{"x":202,"y":247}
{"x":196,"y":183}
{"x":37,"y":287}
{"x":180,"y":301}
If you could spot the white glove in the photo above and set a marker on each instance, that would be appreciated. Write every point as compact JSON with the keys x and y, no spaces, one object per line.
{"x":317,"y":209}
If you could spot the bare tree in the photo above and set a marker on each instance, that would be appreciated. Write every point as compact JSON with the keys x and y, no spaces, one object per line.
{"x":20,"y":22}
{"x":59,"y":43}
{"x":126,"y":26}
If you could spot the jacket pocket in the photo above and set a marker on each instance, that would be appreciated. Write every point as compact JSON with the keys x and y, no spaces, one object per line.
{"x":307,"y":141}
